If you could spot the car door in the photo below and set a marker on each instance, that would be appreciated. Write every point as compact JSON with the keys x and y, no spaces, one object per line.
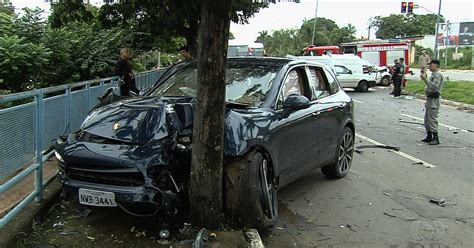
{"x":345,"y":76}
{"x":294,"y":133}
{"x":330,"y":118}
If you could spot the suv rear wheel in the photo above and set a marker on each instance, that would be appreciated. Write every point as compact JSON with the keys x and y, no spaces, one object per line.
{"x":344,"y":156}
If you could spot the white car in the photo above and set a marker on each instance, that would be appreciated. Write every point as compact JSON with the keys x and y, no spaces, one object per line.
{"x":349,"y":70}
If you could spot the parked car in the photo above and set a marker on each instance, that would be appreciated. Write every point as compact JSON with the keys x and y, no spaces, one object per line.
{"x":283,"y":119}
{"x":349,"y":70}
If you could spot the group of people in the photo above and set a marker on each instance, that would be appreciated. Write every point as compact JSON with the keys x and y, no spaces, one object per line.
{"x":398,"y":76}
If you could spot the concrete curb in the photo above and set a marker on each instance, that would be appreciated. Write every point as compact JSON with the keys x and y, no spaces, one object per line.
{"x":458,"y":105}
{"x":23,"y":222}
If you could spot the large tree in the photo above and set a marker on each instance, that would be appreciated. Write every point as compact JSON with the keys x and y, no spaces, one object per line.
{"x":165,"y":19}
{"x":208,"y":133}
{"x":401,"y":26}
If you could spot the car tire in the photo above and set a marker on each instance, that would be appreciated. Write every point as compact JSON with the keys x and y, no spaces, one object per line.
{"x":385,"y":81}
{"x":344,"y":155}
{"x":258,"y":204}
{"x":363,"y":86}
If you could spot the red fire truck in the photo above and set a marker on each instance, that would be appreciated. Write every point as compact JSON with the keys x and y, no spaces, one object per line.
{"x":381,"y":53}
{"x":312,"y":50}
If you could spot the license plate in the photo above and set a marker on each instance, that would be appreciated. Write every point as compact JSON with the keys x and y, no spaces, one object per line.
{"x":97,"y":198}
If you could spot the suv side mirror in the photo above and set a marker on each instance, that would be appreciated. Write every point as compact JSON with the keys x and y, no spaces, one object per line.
{"x":296,"y":102}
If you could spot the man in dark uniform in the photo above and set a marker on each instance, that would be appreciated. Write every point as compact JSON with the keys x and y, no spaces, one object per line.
{"x":123,"y":69}
{"x":433,"y":86}
{"x":397,"y":79}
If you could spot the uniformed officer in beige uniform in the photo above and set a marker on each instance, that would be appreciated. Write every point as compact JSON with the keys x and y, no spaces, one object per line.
{"x":433,"y":86}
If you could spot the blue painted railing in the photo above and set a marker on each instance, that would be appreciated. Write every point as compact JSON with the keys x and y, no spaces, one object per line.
{"x":28,"y":131}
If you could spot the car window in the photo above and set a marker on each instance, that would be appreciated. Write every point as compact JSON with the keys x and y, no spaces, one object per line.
{"x":246,"y":82}
{"x":318,"y":84}
{"x":341,"y":69}
{"x":294,"y":84}
{"x":332,"y":82}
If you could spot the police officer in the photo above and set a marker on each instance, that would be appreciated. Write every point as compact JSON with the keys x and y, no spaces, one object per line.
{"x":397,"y":78}
{"x":433,"y":86}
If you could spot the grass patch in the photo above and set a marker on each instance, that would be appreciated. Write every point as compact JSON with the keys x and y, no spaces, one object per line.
{"x":459,"y":91}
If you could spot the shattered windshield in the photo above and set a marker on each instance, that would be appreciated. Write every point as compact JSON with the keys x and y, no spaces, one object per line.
{"x":247,"y":82}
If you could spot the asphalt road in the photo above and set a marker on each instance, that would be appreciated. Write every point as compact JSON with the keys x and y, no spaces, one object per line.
{"x":385,"y":200}
{"x":467,"y":75}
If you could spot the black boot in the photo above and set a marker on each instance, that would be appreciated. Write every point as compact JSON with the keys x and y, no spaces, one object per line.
{"x":429,"y":137}
{"x":435,"y":140}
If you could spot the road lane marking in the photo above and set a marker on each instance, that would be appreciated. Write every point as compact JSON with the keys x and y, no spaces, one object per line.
{"x":416,"y":160}
{"x":356,"y":101}
{"x":455,"y":128}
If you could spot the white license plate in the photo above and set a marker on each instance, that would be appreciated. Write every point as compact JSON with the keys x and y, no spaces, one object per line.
{"x":97,"y":198}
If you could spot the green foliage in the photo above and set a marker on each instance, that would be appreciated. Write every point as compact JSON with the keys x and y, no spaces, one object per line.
{"x":464,"y":63}
{"x":459,"y":91}
{"x":67,"y":11}
{"x":400,"y":26}
{"x":21,"y":63}
{"x":292,"y":41}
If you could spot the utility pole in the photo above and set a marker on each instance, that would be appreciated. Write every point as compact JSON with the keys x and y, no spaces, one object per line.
{"x":437,"y":29}
{"x":314,"y":22}
{"x":446,"y":42}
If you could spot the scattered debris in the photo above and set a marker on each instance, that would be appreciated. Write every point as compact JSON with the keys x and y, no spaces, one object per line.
{"x":212,"y":236}
{"x":164,"y":234}
{"x":90,"y":238}
{"x":359,"y":151}
{"x":279,"y":228}
{"x":84,"y":211}
{"x":201,"y":238}
{"x":440,"y":202}
{"x":418,"y":163}
{"x":385,"y":193}
{"x":411,"y":122}
{"x":391,"y":215}
{"x":252,"y":236}
{"x":68,"y":232}
{"x":370,"y":203}
{"x":395,"y":148}
{"x":341,"y":226}
{"x":61,"y":223}
{"x":309,"y":221}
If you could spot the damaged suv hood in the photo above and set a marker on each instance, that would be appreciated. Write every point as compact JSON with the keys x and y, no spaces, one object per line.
{"x":136,"y":120}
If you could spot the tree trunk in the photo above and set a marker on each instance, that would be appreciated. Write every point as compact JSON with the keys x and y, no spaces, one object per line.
{"x":208,"y":133}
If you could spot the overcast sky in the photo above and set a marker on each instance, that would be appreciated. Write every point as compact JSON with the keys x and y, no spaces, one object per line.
{"x":343,"y":12}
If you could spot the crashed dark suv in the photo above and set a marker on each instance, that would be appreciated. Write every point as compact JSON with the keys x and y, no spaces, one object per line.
{"x":284,"y":118}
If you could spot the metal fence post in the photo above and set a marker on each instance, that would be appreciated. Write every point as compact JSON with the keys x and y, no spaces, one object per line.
{"x":39,"y":109}
{"x":67,"y":109}
{"x":88,"y":97}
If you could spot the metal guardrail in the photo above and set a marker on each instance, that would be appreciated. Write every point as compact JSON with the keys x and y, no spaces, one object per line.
{"x":49,"y":113}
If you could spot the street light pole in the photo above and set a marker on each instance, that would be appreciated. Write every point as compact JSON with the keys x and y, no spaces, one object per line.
{"x":314,"y":22}
{"x":437,"y":29}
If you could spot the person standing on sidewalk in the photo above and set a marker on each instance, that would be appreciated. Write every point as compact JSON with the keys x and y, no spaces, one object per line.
{"x":423,"y":61}
{"x":123,"y":69}
{"x":433,"y":86}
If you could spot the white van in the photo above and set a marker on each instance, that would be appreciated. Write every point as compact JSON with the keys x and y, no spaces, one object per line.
{"x":349,"y":70}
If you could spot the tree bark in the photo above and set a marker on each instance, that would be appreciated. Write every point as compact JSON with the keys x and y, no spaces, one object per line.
{"x":208,"y":133}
